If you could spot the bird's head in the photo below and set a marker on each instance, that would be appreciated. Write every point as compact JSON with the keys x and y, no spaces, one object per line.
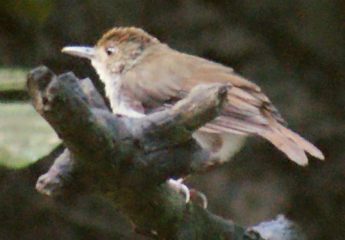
{"x":117,"y":50}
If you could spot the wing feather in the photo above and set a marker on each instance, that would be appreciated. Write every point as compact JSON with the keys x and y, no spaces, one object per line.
{"x":167,"y":76}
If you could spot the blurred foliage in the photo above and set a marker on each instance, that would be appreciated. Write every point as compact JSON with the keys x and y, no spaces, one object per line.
{"x":295,"y":50}
{"x":24,"y":135}
{"x":35,"y":11}
{"x":12,"y":79}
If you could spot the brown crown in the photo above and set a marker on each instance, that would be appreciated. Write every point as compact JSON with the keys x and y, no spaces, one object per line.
{"x":126,"y":34}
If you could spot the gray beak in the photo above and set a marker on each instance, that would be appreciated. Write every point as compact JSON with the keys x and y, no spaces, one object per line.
{"x":83,"y":52}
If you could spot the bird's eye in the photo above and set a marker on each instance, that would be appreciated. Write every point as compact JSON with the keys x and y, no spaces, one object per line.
{"x":110,"y":50}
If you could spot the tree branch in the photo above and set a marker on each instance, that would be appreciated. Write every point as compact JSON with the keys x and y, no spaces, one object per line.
{"x":129,"y":160}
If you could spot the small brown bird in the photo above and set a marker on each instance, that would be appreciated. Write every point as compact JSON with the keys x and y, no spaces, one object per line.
{"x":141,"y":75}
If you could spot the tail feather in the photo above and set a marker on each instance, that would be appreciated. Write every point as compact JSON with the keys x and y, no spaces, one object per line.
{"x":287,"y":141}
{"x":290,"y":143}
{"x":287,"y":146}
{"x":305,"y":144}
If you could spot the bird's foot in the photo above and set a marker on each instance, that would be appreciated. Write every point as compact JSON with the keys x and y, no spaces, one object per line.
{"x":193,"y":195}
{"x":198,"y":198}
{"x":179,"y":187}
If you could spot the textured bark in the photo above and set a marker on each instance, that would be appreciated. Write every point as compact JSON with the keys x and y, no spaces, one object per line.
{"x":129,"y":160}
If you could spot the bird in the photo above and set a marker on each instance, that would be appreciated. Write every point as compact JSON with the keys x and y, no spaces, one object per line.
{"x":142,"y":75}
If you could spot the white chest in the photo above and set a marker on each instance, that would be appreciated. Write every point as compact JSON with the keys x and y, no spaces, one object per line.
{"x":112,"y":82}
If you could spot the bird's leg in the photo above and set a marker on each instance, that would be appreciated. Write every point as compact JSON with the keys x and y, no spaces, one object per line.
{"x":179,"y":187}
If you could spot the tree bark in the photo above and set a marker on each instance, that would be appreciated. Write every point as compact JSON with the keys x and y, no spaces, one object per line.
{"x":130,"y":160}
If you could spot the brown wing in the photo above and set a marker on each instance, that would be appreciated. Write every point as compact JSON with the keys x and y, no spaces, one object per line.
{"x":166,"y":75}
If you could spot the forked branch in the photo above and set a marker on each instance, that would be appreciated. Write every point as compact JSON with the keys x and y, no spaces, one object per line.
{"x":129,"y":160}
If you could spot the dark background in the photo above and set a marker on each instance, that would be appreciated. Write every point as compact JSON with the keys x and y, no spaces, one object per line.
{"x":295,"y":50}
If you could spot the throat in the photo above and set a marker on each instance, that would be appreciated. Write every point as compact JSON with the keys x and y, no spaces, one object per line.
{"x":118,"y":102}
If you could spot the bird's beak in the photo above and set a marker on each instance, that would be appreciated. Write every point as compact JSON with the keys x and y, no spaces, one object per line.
{"x":83,"y":52}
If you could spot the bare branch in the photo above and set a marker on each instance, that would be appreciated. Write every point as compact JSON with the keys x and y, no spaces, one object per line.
{"x":129,"y":160}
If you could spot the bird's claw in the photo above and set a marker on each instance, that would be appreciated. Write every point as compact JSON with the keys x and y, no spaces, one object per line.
{"x":198,"y":198}
{"x":179,"y":187}
{"x":193,"y":195}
